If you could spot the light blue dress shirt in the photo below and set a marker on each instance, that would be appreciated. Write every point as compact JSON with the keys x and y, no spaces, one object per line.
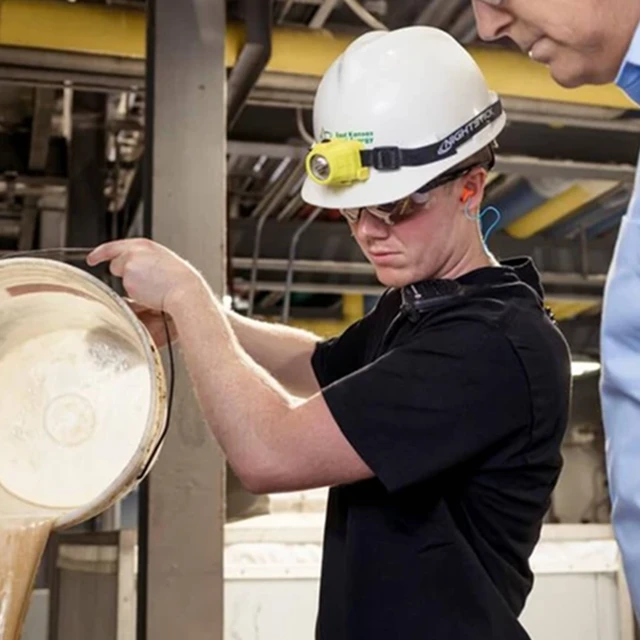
{"x":620,"y":353}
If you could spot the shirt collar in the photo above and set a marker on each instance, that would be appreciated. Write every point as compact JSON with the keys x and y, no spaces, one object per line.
{"x":628,"y":78}
{"x":424,"y":293}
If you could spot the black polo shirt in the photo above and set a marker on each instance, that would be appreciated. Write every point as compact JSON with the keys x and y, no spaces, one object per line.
{"x":456,"y":394}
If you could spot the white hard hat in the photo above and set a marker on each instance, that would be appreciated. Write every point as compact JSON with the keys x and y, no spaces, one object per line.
{"x":399,"y":108}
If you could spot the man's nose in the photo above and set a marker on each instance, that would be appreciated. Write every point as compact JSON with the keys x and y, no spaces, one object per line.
{"x":492,"y":22}
{"x":370,"y":226}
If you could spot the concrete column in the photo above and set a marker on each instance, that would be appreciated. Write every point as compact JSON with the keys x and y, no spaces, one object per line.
{"x":182,"y":503}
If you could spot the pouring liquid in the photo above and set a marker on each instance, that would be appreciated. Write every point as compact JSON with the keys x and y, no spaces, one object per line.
{"x":22,"y":542}
{"x":24,"y":531}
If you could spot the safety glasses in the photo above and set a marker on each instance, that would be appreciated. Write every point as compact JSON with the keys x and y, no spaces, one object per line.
{"x":394,"y":212}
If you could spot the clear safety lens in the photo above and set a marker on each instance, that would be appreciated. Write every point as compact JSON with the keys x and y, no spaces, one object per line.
{"x":392,"y":212}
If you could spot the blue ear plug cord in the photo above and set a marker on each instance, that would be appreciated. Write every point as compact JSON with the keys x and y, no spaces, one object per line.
{"x":492,"y":226}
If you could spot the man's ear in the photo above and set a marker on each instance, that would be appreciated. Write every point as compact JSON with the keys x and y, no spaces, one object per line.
{"x":473,"y":188}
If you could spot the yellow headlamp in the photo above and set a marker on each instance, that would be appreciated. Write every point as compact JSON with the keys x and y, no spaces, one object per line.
{"x":336,"y":163}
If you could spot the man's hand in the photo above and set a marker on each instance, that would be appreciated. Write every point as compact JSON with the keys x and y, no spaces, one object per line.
{"x":152,"y":275}
{"x":154,"y":322}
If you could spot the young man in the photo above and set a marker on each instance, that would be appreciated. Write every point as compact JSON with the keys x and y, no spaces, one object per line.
{"x":437,"y":419}
{"x":598,"y":41}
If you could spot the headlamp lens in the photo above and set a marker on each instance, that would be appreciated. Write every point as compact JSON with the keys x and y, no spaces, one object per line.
{"x":319,"y":166}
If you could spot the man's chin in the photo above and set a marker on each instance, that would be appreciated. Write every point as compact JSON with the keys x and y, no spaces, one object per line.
{"x":572,"y":77}
{"x":568,"y":80}
{"x":392,"y":278}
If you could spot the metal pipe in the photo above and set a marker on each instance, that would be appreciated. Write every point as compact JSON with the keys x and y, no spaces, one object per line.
{"x":111,"y":519}
{"x":302,"y":130}
{"x":308,"y":266}
{"x":567,"y":169}
{"x":371,"y":21}
{"x":322,"y":14}
{"x":291,"y":208}
{"x":9,"y":228}
{"x":253,"y":58}
{"x":320,"y":287}
{"x":286,"y":306}
{"x":438,"y":13}
{"x":463,"y":27}
{"x":271,"y":149}
{"x":285,"y":10}
{"x":372,"y":289}
{"x":268,"y":209}
{"x":278,"y":190}
{"x":577,"y":280}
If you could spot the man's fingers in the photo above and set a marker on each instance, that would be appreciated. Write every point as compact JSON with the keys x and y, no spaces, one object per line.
{"x":154,"y":322}
{"x":106,"y":252}
{"x":118,"y":264}
{"x":136,"y":307}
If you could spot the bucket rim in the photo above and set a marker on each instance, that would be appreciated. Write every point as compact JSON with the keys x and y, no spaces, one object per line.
{"x":154,"y":431}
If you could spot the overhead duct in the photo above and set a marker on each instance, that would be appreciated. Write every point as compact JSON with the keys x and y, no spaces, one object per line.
{"x":606,"y":225}
{"x":120,"y":32}
{"x":597,"y":216}
{"x":252,"y":59}
{"x":525,"y":196}
{"x":559,"y":208}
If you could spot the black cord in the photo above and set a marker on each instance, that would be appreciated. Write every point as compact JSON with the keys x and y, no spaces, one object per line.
{"x":172,"y":378}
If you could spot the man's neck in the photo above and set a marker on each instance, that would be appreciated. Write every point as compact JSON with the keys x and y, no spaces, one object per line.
{"x":474,"y":257}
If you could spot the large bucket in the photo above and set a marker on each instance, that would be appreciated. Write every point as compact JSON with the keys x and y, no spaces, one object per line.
{"x":82,"y":396}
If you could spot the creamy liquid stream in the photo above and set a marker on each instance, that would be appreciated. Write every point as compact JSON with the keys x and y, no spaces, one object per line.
{"x":22,"y":542}
{"x":94,"y":374}
{"x":24,"y":531}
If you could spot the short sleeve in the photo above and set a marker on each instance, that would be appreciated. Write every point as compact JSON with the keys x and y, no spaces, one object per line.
{"x":440,"y":401}
{"x":337,"y":357}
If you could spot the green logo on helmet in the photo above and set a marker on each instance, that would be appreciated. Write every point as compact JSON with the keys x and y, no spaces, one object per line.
{"x":366,"y":137}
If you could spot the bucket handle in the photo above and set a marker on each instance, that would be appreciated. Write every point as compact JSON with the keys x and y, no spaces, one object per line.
{"x":172,"y":376}
{"x":80,"y":253}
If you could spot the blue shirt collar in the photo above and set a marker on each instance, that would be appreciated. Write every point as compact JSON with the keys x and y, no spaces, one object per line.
{"x":628,"y":78}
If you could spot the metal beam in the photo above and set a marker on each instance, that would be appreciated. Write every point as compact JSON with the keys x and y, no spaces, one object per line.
{"x":573,"y":268}
{"x":322,"y":14}
{"x":87,"y":218}
{"x":558,"y":208}
{"x":24,"y":185}
{"x":272,"y":150}
{"x":116,"y":31}
{"x":82,"y":27}
{"x":591,"y":282}
{"x":41,"y":126}
{"x":181,"y":579}
{"x":51,"y":68}
{"x":583,"y":334}
{"x":9,"y":227}
{"x":593,"y":214}
{"x":28,"y":221}
{"x":564,"y":169}
{"x":307,"y":266}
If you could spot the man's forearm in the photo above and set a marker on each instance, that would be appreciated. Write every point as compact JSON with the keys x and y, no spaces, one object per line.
{"x":620,"y":386}
{"x":285,"y":352}
{"x":243,"y":405}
